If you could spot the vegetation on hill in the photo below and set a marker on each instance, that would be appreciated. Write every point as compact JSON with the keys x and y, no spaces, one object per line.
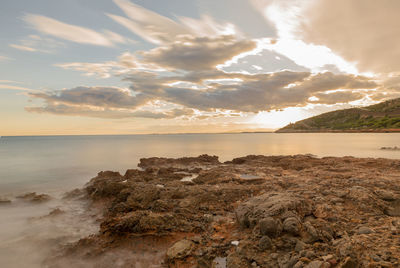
{"x":381,"y":116}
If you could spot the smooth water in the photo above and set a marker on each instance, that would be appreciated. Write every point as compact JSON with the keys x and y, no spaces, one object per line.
{"x":54,"y":163}
{"x":57,"y":164}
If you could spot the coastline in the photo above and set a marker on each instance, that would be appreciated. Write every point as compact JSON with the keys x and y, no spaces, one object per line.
{"x":254,"y":211}
{"x":339,"y":131}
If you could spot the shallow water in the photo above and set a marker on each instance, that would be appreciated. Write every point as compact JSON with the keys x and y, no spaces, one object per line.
{"x":56,"y":164}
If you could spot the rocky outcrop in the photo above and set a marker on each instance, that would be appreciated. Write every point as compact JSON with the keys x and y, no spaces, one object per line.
{"x":254,"y":211}
{"x":34,"y":197}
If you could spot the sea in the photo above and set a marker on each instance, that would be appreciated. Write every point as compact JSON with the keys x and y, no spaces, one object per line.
{"x":56,"y":164}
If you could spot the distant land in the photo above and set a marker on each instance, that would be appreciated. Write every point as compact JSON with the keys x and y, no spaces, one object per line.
{"x":381,"y":117}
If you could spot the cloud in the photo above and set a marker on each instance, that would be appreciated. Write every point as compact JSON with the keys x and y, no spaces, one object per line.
{"x":105,"y":97}
{"x":366,"y":32}
{"x":12,"y":87}
{"x":8,"y":84}
{"x":73,"y":33}
{"x":4,"y":58}
{"x":198,"y":53}
{"x":286,"y":16}
{"x":23,"y":48}
{"x":87,"y":111}
{"x":158,"y":29}
{"x":248,"y":93}
{"x":105,"y":102}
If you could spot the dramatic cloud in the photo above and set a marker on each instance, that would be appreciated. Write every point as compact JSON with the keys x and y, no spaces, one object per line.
{"x":73,"y":33}
{"x":195,"y":72}
{"x":248,"y":93}
{"x":366,"y":32}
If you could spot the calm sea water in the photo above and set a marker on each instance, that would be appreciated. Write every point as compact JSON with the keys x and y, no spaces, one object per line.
{"x":54,"y":163}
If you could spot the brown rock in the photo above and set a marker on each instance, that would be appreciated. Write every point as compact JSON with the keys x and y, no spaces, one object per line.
{"x":180,"y":249}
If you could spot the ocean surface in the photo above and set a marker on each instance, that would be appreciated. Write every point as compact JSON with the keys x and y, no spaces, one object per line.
{"x":55,"y":164}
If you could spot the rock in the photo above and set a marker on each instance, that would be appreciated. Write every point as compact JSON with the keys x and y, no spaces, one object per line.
{"x":364,"y":230}
{"x":56,"y":212}
{"x":385,"y":195}
{"x":394,"y":209}
{"x":271,"y":204}
{"x":265,"y":243}
{"x":299,"y":264}
{"x":291,"y":225}
{"x":180,"y":249}
{"x":327,"y":257}
{"x":322,"y":211}
{"x":34,"y":197}
{"x":349,"y":263}
{"x":76,"y":193}
{"x":310,"y":234}
{"x":270,"y":226}
{"x":235,"y":261}
{"x":4,"y":201}
{"x":235,"y":243}
{"x":300,"y":245}
{"x":318,"y":264}
{"x":360,"y":194}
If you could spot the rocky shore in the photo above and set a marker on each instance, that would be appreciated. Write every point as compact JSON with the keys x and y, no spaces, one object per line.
{"x":253,"y":211}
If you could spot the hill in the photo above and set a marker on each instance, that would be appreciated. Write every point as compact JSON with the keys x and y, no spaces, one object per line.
{"x":381,"y":117}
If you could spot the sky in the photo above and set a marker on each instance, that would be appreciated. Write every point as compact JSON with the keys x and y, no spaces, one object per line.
{"x":178,"y":66}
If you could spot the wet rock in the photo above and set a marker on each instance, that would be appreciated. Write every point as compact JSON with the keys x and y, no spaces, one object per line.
{"x":4,"y":201}
{"x":270,"y":226}
{"x":265,"y":243}
{"x":34,"y":197}
{"x":180,"y":249}
{"x":76,"y":193}
{"x":56,"y":212}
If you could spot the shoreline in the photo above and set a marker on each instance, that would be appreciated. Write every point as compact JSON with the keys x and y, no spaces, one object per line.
{"x":253,"y":211}
{"x":341,"y":131}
